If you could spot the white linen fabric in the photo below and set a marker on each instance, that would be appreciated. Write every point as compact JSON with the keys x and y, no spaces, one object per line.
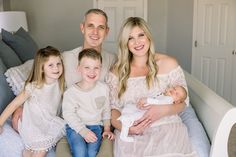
{"x":16,"y":76}
{"x":41,"y":128}
{"x":167,"y":136}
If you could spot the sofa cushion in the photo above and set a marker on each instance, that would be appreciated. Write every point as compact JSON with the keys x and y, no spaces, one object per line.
{"x":21,"y":42}
{"x":197,"y":134}
{"x":11,"y":143}
{"x":63,"y":148}
{"x":6,"y":95}
{"x":8,"y":55}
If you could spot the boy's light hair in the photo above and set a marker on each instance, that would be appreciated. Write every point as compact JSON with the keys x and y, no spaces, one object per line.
{"x":37,"y":75}
{"x":90,"y":53}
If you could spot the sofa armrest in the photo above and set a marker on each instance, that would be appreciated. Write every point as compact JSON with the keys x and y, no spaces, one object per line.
{"x":216,"y":114}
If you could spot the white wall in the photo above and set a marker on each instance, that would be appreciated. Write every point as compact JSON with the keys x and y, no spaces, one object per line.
{"x":157,"y":20}
{"x":56,"y":23}
{"x":179,"y":31}
{"x":1,"y":5}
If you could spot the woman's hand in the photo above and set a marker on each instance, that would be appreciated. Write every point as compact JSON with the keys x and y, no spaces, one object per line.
{"x":156,"y":112}
{"x":139,"y":127}
{"x":153,"y":113}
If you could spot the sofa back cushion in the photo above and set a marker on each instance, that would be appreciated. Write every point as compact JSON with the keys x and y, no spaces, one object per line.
{"x":8,"y":56}
{"x":21,"y":42}
{"x":6,"y":95}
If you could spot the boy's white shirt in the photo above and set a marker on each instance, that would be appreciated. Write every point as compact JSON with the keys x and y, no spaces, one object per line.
{"x":91,"y":107}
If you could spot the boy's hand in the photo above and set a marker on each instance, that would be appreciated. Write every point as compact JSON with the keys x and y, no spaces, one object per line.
{"x":109,"y":135}
{"x":1,"y":129}
{"x":90,"y":137}
{"x":142,"y":102}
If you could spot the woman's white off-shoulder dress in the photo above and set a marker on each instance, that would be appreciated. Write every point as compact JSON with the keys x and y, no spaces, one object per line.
{"x":167,"y":137}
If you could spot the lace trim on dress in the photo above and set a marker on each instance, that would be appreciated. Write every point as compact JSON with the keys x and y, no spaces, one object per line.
{"x":49,"y":142}
{"x":112,"y":82}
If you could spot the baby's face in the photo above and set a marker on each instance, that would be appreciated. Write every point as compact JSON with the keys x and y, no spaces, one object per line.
{"x":177,"y":93}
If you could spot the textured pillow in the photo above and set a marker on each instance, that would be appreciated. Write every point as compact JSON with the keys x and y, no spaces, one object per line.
{"x":16,"y":76}
{"x":6,"y":95}
{"x":8,"y":56}
{"x":196,"y":132}
{"x":21,"y":42}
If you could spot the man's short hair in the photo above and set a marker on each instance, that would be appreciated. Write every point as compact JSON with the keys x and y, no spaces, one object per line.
{"x":97,"y":11}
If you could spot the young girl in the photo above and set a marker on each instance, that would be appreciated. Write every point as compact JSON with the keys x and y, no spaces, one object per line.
{"x":40,"y":127}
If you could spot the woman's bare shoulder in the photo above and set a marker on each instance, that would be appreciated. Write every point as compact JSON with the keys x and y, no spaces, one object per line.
{"x":165,"y":63}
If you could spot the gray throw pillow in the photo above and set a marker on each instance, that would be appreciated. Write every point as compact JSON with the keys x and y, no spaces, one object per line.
{"x":6,"y":95}
{"x":21,"y":42}
{"x":8,"y":56}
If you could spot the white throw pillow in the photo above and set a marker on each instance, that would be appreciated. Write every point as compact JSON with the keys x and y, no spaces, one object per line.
{"x":16,"y":76}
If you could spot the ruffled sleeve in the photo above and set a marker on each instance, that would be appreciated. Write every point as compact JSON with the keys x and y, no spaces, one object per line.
{"x":176,"y":77}
{"x":112,"y":81}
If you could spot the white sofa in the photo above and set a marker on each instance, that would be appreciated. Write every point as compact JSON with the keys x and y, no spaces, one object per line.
{"x":216,"y":114}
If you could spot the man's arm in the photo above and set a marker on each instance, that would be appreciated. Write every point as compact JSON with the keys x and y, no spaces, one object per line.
{"x":16,"y":116}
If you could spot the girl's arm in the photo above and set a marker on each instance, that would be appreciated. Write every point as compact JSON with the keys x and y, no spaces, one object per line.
{"x":15,"y":103}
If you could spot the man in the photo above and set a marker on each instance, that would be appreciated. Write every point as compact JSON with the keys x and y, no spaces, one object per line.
{"x":94,"y":29}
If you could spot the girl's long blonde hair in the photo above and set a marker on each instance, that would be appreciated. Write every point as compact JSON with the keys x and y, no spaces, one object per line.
{"x":122,"y":66}
{"x":36,"y":75}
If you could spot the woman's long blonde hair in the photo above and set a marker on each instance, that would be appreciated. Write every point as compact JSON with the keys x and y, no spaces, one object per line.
{"x":122,"y":66}
{"x":36,"y":75}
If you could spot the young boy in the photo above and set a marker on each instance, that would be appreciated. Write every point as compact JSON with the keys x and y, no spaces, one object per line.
{"x":86,"y":107}
{"x":131,"y":112}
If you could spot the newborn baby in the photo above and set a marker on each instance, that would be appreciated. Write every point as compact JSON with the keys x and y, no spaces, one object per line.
{"x":131,"y":112}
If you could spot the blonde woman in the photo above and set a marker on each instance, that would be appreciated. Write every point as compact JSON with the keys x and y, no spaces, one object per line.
{"x":140,"y":72}
{"x":40,"y":128}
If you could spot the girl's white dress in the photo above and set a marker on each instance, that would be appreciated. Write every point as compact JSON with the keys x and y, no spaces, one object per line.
{"x":41,"y":128}
{"x":167,"y":137}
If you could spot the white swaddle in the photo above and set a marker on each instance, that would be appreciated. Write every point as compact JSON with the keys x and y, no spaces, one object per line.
{"x":131,"y":113}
